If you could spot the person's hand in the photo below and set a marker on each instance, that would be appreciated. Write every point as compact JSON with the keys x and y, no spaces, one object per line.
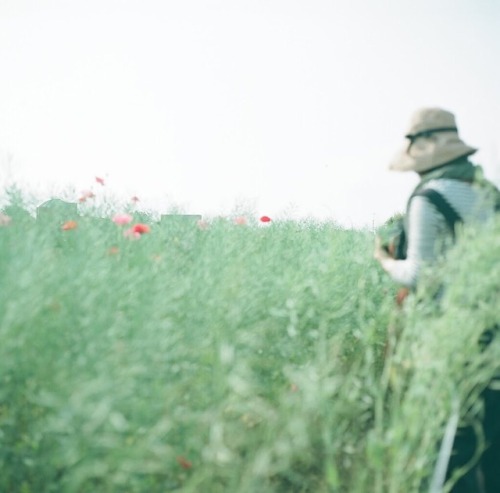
{"x":380,"y":252}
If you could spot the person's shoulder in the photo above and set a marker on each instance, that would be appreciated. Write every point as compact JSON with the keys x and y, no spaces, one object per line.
{"x":421,"y":205}
{"x":461,"y":195}
{"x":444,"y":185}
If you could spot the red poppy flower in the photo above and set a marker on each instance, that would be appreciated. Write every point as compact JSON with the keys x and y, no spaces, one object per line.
{"x":69,"y":225}
{"x":135,"y":199}
{"x":401,"y":295}
{"x":265,"y":219}
{"x":87,"y":194}
{"x":141,"y":228}
{"x":99,"y":180}
{"x":184,"y":463}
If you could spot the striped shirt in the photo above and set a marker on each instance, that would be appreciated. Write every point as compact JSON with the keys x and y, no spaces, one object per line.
{"x":428,"y":233}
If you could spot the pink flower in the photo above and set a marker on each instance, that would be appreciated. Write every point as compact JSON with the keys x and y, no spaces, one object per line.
{"x":4,"y":219}
{"x":135,"y":199}
{"x":86,"y":194}
{"x":240,"y":220}
{"x":265,"y":219}
{"x":122,"y":219}
{"x":202,"y":224}
{"x":130,"y":233}
{"x":99,"y":180}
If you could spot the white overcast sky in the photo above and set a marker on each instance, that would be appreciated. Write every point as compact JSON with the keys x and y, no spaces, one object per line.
{"x":291,"y":107}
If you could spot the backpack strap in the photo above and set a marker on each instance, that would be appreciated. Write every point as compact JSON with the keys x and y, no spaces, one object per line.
{"x":442,"y":205}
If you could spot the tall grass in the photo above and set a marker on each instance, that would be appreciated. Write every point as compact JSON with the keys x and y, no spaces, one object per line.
{"x":229,"y":359}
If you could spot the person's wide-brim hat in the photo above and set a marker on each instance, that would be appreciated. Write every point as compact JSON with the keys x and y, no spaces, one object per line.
{"x":432,"y":140}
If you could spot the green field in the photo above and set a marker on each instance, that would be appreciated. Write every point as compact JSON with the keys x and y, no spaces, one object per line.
{"x":232,"y":358}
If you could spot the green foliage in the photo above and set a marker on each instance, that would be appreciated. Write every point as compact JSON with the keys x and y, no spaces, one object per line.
{"x":233,"y":358}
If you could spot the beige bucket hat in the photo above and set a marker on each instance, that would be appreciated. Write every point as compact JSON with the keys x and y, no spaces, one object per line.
{"x":432,"y":141}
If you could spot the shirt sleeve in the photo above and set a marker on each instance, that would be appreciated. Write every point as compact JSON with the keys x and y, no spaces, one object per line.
{"x":425,"y":227}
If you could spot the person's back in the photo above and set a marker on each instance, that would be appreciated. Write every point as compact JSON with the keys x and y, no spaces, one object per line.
{"x":428,"y":231}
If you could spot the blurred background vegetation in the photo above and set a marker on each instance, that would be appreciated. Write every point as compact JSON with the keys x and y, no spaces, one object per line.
{"x":229,"y":357}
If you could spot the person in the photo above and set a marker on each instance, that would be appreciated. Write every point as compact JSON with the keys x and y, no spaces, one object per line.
{"x":451,"y":190}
